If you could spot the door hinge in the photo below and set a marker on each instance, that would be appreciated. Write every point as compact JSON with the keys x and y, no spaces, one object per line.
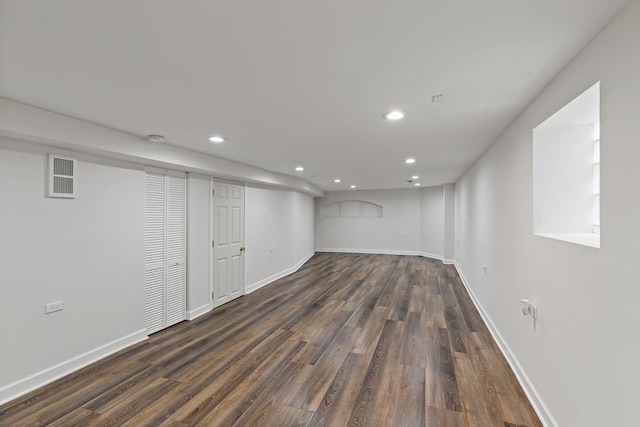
{"x":212,"y":295}
{"x":213,"y":192}
{"x":213,"y":243}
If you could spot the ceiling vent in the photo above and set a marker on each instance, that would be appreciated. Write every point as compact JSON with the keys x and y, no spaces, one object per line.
{"x":63,"y":176}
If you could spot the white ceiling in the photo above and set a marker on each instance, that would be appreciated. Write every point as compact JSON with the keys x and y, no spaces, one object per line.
{"x":298,"y":82}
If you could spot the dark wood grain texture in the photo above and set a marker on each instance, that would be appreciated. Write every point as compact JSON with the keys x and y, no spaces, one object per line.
{"x":349,"y":339}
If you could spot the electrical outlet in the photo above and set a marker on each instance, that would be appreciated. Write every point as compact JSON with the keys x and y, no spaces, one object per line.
{"x":528,"y":309}
{"x":52,"y":307}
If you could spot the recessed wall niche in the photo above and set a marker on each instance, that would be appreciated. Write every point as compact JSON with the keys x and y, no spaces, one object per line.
{"x":351,"y":209}
{"x":566,"y":172}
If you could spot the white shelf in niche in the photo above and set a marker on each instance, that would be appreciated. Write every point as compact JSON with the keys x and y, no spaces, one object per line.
{"x":585,"y":239}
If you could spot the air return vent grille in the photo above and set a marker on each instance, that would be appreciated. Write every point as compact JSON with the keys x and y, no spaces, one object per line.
{"x":63,"y":176}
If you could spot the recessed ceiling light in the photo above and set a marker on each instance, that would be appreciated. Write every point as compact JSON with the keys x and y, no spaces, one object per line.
{"x":417,"y":184}
{"x":415,"y":177}
{"x":410,"y":160}
{"x":299,"y":168}
{"x":393,"y":115}
{"x":336,"y":180}
{"x":217,"y":139}
{"x":353,"y":186}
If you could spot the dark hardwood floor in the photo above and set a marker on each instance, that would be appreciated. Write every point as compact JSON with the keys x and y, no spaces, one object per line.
{"x":349,"y":339}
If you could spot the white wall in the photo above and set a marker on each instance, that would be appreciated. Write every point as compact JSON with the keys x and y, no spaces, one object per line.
{"x":303,"y":230}
{"x":413,"y":223}
{"x":432,"y":221}
{"x":198,"y":244}
{"x":398,"y":231}
{"x":449,"y":194}
{"x":87,"y":251}
{"x":279,"y":233}
{"x":581,"y":362}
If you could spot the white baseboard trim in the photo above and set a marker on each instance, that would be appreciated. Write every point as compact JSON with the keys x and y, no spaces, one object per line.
{"x":39,"y":379}
{"x":197,"y":312}
{"x":369,"y":251}
{"x":432,"y":256}
{"x":532,"y":394}
{"x":385,"y":252}
{"x":448,"y":261}
{"x":273,"y":278}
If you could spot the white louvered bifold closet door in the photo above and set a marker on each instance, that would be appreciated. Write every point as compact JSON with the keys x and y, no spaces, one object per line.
{"x":155,"y":209}
{"x":165,"y":249}
{"x":176,"y":249}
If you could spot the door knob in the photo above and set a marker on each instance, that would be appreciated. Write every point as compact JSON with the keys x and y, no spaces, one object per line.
{"x":242,"y":248}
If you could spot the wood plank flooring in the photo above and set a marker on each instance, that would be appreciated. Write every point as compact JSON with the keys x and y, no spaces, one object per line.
{"x":349,"y":339}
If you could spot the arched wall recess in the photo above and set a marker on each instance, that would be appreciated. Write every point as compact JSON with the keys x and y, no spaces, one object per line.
{"x":351,"y":209}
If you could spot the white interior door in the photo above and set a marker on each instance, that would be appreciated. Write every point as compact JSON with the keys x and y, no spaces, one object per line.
{"x":227,"y":260}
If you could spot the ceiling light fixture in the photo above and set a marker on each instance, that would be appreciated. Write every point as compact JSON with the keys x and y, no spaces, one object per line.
{"x":353,"y":186}
{"x":417,"y":184}
{"x":155,"y":138}
{"x":410,"y":160}
{"x":299,"y":168}
{"x":415,"y":177}
{"x":217,"y":139}
{"x":393,"y":115}
{"x":336,"y":181}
